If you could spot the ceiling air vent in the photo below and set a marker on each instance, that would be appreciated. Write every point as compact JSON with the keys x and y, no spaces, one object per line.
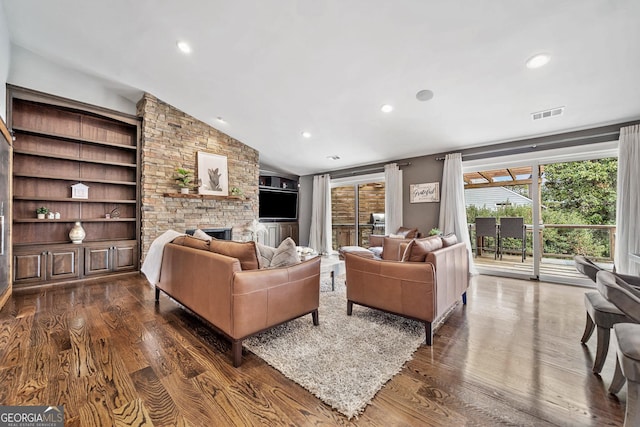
{"x":554,"y":112}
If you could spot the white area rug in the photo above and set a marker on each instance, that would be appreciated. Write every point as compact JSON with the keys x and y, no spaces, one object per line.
{"x":346,"y":359}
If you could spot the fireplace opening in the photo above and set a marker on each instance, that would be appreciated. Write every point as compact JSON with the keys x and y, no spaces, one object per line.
{"x":216,"y":233}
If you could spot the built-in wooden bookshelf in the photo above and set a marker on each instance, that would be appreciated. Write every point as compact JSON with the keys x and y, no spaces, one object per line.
{"x":59,"y":143}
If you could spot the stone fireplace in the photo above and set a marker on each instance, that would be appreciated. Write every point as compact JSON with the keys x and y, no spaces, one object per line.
{"x":172,"y":139}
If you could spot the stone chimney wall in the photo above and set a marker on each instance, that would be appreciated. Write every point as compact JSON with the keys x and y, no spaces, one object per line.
{"x":172,"y":139}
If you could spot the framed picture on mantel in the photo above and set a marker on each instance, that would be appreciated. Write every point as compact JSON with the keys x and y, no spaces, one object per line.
{"x":213,"y":174}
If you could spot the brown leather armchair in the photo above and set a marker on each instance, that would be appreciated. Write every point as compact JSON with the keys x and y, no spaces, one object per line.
{"x":424,"y":291}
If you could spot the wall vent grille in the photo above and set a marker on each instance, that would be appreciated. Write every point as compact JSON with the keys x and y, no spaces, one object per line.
{"x":554,"y":112}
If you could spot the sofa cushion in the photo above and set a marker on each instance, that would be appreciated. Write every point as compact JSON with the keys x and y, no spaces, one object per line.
{"x":286,"y":254}
{"x":191,"y":242}
{"x":245,"y":252}
{"x":408,"y":233}
{"x":418,"y":249}
{"x":449,"y":240}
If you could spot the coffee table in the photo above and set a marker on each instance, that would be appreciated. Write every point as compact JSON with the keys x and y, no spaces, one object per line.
{"x":334,"y":266}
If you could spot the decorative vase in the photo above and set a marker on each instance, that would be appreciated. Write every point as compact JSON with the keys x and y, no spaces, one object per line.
{"x":40,"y":216}
{"x":77,"y":233}
{"x":184,"y":190}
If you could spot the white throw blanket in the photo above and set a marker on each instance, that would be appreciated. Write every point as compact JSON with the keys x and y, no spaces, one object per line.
{"x":153,"y":261}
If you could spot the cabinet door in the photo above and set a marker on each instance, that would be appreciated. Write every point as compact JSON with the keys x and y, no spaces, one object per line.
{"x":271,"y":235}
{"x":288,"y":229}
{"x":29,"y":267}
{"x":97,"y":260}
{"x":63,"y":263}
{"x":125,"y":257}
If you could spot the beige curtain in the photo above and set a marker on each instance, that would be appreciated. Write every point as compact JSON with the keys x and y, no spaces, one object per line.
{"x":320,"y":233}
{"x":628,"y":205}
{"x":453,"y":213}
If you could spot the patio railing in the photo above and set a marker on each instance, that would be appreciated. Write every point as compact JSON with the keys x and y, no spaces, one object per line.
{"x":574,"y":243}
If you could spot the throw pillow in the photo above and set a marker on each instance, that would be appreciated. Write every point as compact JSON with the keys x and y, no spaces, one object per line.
{"x":449,"y":240}
{"x":265,"y":255}
{"x":397,"y":236}
{"x":286,"y":254}
{"x":199,"y":234}
{"x":418,"y":249}
{"x":408,"y":233}
{"x":245,"y":252}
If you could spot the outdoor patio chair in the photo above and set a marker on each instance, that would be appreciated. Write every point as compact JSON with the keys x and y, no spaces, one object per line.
{"x":486,"y":227}
{"x":513,"y":228}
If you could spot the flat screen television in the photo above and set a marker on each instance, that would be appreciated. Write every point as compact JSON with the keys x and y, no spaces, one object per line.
{"x":277,"y":204}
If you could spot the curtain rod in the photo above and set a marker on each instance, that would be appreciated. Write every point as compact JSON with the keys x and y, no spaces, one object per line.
{"x":362,"y":171}
{"x":515,"y":149}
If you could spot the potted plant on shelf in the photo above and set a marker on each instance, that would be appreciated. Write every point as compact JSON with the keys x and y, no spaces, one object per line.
{"x":41,"y":212}
{"x":184,"y":179}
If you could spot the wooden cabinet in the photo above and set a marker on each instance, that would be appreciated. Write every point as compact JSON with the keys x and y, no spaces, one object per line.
{"x":59,"y":144}
{"x":277,"y":232}
{"x":32,"y":265}
{"x":288,"y":229}
{"x":345,"y":237}
{"x":270,"y":236}
{"x":112,"y":257}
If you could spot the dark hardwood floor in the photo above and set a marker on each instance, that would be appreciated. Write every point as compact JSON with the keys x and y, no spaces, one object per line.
{"x":111,"y":356}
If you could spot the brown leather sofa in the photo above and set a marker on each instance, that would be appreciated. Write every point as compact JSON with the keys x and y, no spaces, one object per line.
{"x":425,"y":291}
{"x":237,"y":303}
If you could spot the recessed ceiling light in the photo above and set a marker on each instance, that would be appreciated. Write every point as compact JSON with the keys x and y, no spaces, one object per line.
{"x":221,"y":120}
{"x":386,"y":108}
{"x":424,"y":95}
{"x":184,"y":47}
{"x":306,"y":134}
{"x":334,"y":157}
{"x":538,"y":60}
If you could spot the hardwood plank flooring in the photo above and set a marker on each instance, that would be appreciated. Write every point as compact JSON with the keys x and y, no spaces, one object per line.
{"x":111,"y":356}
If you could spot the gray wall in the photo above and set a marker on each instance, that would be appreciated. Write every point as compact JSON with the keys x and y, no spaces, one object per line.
{"x":423,"y":169}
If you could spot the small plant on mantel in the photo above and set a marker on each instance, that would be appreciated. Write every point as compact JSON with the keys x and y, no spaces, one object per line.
{"x":184,"y":179}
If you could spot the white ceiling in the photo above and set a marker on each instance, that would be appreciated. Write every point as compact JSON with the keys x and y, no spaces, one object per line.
{"x":273,"y":69}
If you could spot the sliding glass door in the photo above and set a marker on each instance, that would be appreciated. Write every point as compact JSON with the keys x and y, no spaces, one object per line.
{"x":357,"y":205}
{"x":500,"y":210}
{"x":567,"y":202}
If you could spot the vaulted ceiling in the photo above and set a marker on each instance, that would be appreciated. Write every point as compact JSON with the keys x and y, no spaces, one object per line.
{"x":275,"y":69}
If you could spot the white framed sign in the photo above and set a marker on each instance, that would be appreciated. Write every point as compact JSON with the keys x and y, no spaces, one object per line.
{"x":424,"y":193}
